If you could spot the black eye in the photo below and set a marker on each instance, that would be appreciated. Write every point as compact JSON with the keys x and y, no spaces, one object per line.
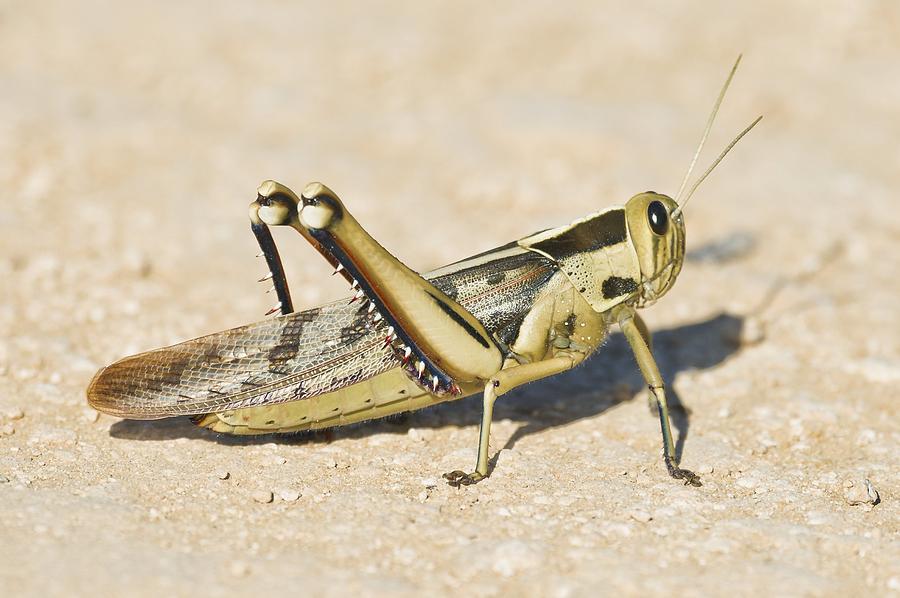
{"x":658,"y":217}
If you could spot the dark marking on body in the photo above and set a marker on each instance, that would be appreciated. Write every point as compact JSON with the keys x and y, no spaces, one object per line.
{"x":603,"y":230}
{"x":174,"y":369}
{"x":345,"y":381}
{"x":451,"y":291}
{"x":298,"y":391}
{"x":509,"y":245}
{"x":354,"y":331}
{"x":288,"y":344}
{"x":495,"y":279}
{"x":509,"y":332}
{"x":461,"y":321}
{"x":615,"y":286}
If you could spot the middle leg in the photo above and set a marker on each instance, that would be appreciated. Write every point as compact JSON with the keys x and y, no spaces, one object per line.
{"x":499,"y":384}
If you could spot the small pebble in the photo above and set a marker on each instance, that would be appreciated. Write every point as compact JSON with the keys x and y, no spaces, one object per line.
{"x":566,"y":501}
{"x":417,"y":435}
{"x":3,"y":479}
{"x":867,"y":436}
{"x":430,"y":482}
{"x":7,"y":430}
{"x":288,"y":495}
{"x":91,"y":416}
{"x":239,"y":569}
{"x":766,"y":441}
{"x":14,"y":413}
{"x":752,"y":332}
{"x":24,"y":374}
{"x":640,"y":516}
{"x":223,"y":474}
{"x":861,"y":494}
{"x":747,"y":482}
{"x":705,"y":468}
{"x":263,"y":496}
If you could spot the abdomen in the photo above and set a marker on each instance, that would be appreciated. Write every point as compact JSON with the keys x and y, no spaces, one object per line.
{"x":386,"y":394}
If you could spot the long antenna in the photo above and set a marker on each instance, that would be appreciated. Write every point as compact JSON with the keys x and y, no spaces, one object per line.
{"x":681,"y":205}
{"x":709,"y":124}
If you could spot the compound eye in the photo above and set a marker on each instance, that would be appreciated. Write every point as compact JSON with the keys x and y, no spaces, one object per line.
{"x":658,"y":217}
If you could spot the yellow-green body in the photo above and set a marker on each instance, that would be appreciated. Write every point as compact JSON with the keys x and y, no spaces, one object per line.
{"x":521,"y":312}
{"x":525,"y":311}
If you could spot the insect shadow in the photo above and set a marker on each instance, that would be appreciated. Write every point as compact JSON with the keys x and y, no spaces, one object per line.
{"x":610,"y":377}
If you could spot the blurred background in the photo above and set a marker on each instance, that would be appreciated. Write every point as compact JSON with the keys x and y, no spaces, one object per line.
{"x":133,"y":135}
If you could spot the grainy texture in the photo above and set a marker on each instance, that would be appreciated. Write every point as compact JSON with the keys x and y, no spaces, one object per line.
{"x":133,"y":137}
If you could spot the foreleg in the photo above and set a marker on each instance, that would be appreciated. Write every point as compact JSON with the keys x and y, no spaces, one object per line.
{"x":635,"y":334}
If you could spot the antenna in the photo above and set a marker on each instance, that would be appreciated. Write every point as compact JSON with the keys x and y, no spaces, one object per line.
{"x":709,"y":124}
{"x":677,"y":211}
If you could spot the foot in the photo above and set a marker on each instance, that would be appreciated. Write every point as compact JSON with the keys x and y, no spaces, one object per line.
{"x":460,"y":478}
{"x":689,"y":477}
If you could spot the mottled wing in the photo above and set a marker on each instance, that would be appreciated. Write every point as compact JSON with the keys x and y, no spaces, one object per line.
{"x":279,"y":359}
{"x":304,"y":354}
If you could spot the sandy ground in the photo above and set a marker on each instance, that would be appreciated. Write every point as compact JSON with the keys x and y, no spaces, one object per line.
{"x":132,"y":138}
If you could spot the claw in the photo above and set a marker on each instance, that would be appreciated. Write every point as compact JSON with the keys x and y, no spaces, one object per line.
{"x":460,"y":478}
{"x":689,"y":477}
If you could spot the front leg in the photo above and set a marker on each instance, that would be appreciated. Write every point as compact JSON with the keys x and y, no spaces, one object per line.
{"x":499,"y":384}
{"x":626,"y":317}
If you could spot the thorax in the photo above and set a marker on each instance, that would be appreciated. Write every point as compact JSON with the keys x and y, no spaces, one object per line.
{"x":560,"y":320}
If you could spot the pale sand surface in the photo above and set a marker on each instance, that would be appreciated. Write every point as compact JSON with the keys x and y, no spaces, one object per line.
{"x":132,"y":138}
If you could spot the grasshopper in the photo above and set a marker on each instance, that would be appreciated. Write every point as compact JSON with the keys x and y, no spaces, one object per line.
{"x":518,"y":313}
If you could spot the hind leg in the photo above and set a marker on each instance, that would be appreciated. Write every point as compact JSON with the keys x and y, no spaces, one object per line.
{"x":442,"y":343}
